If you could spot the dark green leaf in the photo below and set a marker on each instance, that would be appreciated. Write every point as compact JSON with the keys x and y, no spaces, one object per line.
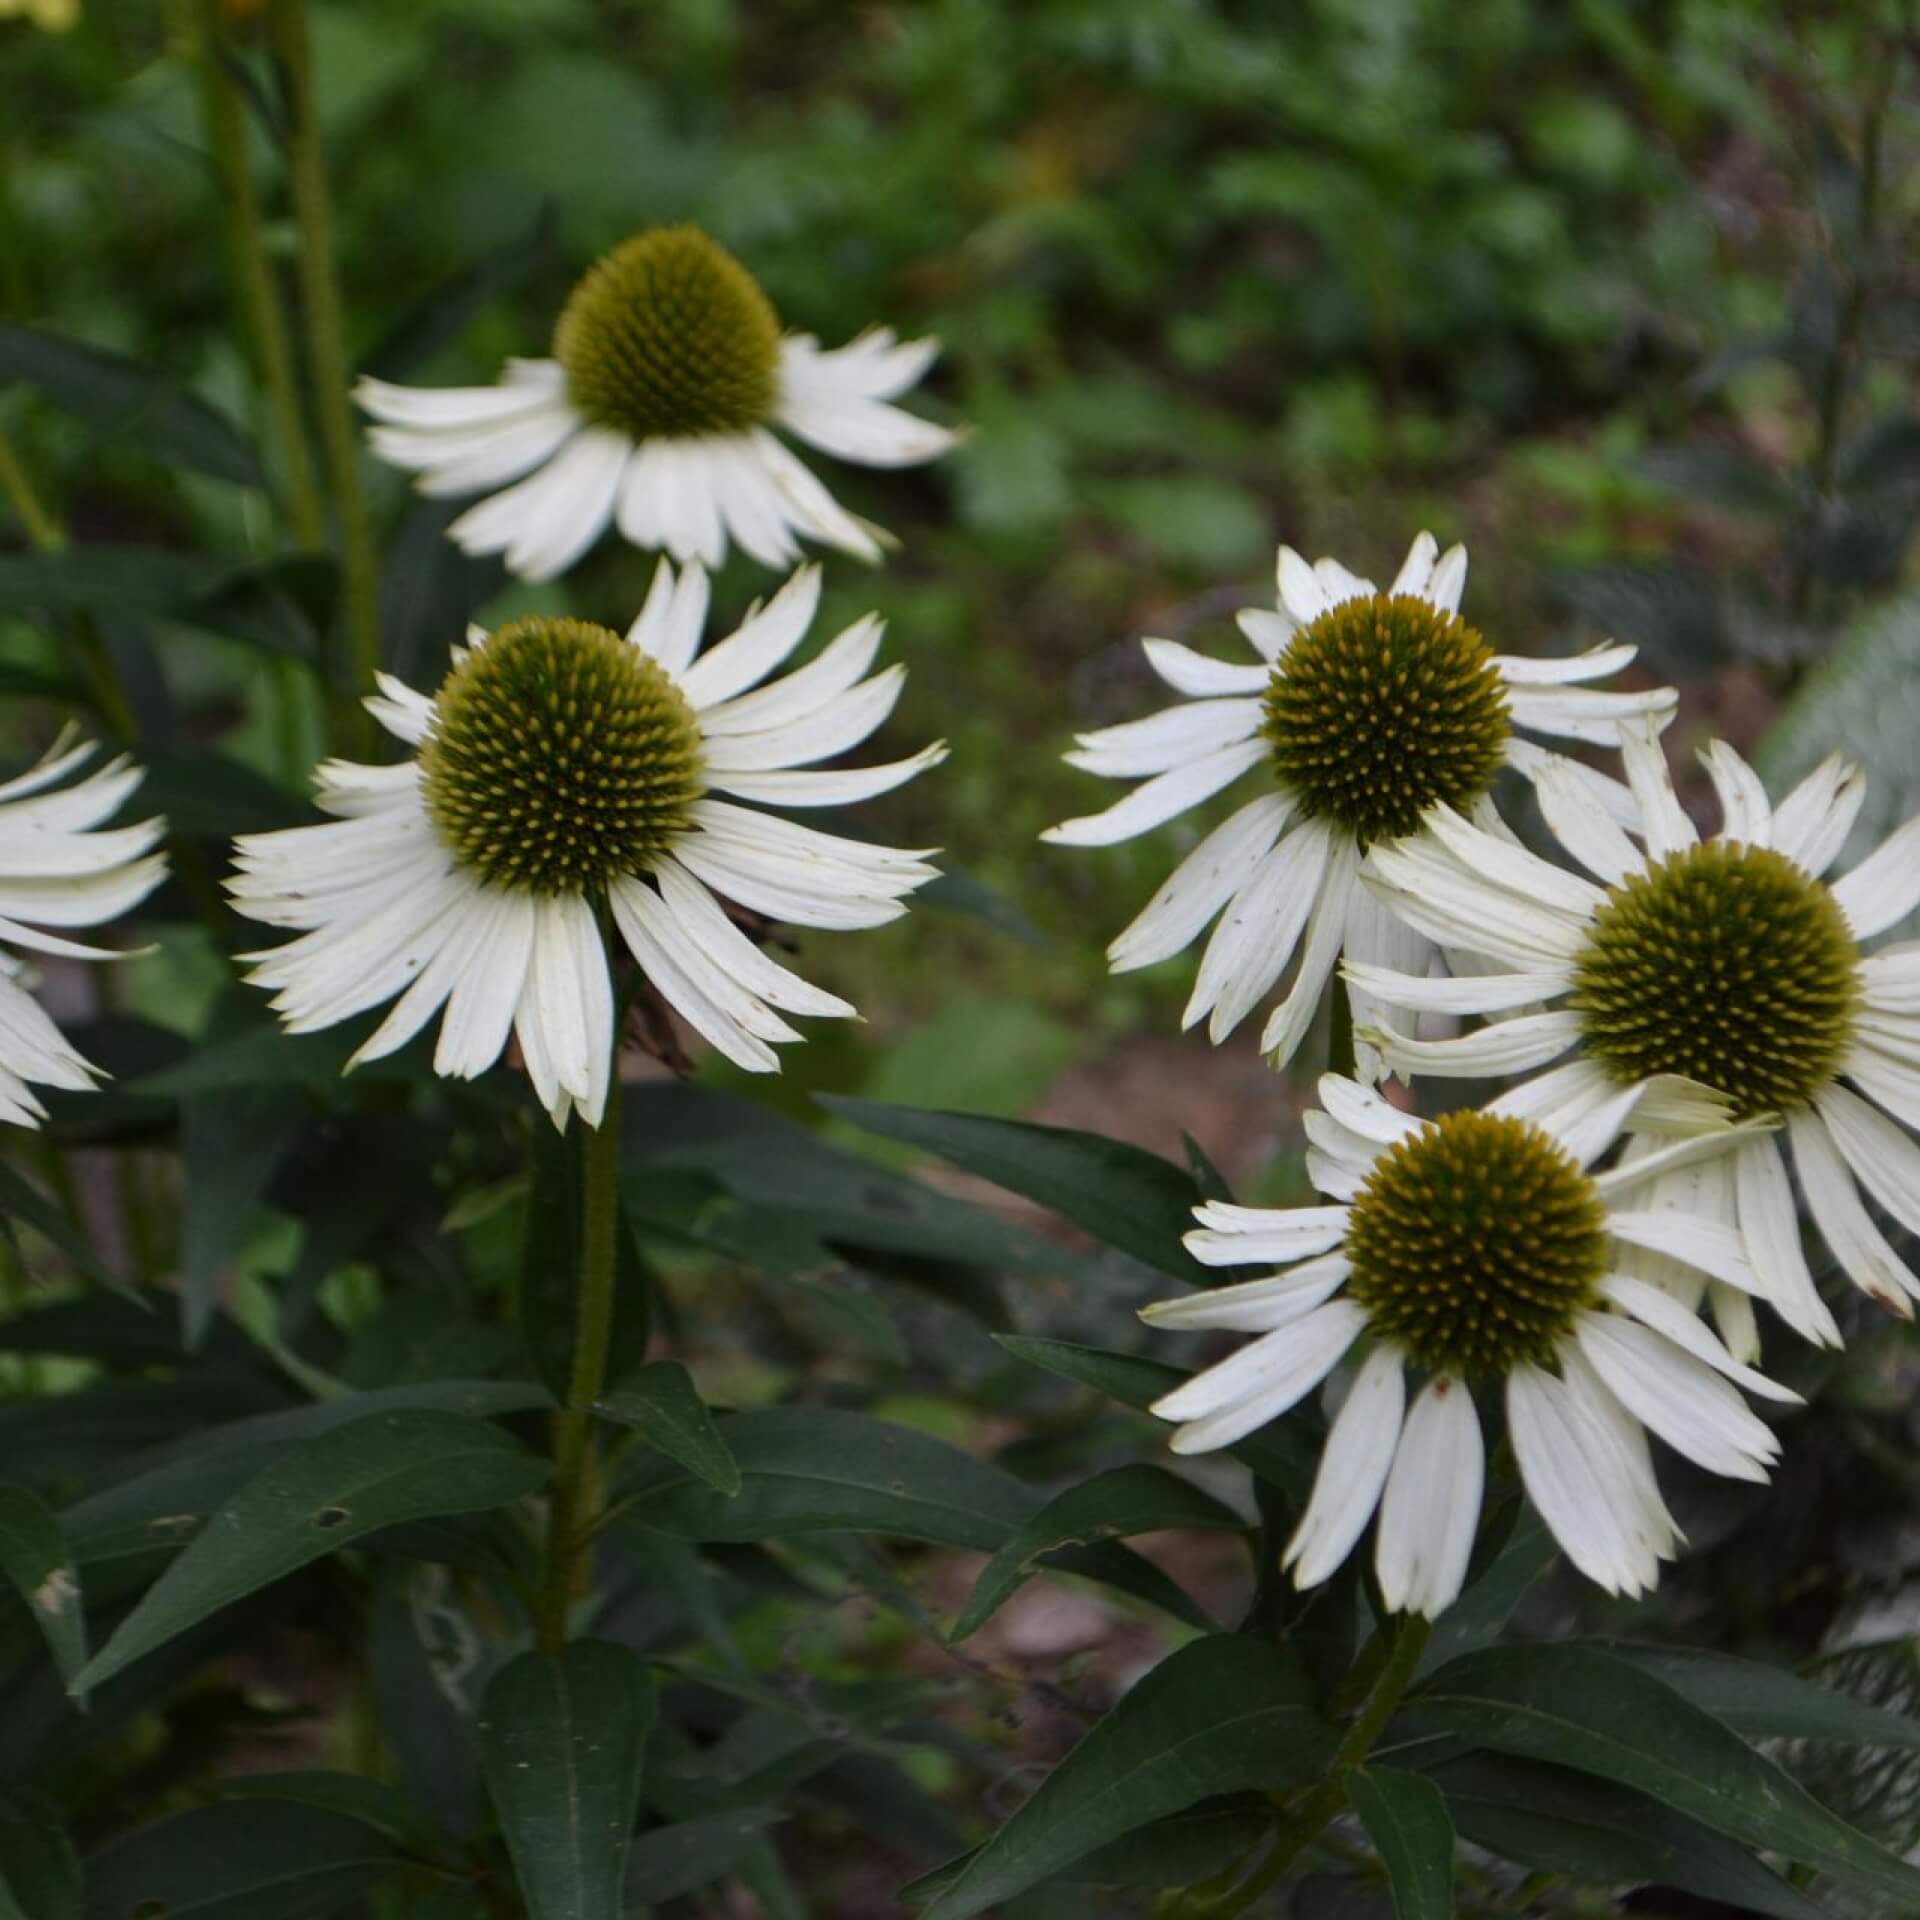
{"x":667,"y":1862}
{"x":663,"y":1406}
{"x":960,"y":892}
{"x":27,"y":1205}
{"x":806,"y":1470}
{"x":1122,"y":1195}
{"x":39,"y":1869}
{"x":104,"y":579}
{"x":118,"y":396}
{"x":427,"y":1663}
{"x":231,"y":1143}
{"x":443,"y":315}
{"x":238,"y":1861}
{"x":563,"y":1738}
{"x":1581,"y":1708}
{"x":35,"y":1559}
{"x":372,"y":1802}
{"x":325,"y":1494}
{"x":1406,"y":1819}
{"x":1127,"y":1500}
{"x":1277,"y":1452}
{"x":284,"y":607}
{"x":1769,"y":1703}
{"x":1557,"y":1821}
{"x":429,"y":591}
{"x":207,"y":796}
{"x":1223,"y":1715}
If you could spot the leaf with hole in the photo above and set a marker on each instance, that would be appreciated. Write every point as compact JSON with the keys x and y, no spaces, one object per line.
{"x":322,"y":1496}
{"x":563,"y":1737}
{"x":35,"y":1559}
{"x":662,"y":1405}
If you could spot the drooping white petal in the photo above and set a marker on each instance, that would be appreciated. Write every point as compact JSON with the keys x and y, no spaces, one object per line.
{"x":1429,"y":889}
{"x":1231,"y":1236}
{"x":1326,"y":935}
{"x":1353,"y":1469}
{"x":1579,"y":713}
{"x":1664,"y":826}
{"x":1747,"y":814}
{"x":1166,"y":739}
{"x":535,"y":386}
{"x":757,"y":646}
{"x":1680,"y":1398}
{"x":544,"y":523}
{"x":839,"y":787}
{"x":1657,"y":1309}
{"x":669,"y":625}
{"x":1770,"y":1231}
{"x":565,"y":1017}
{"x":840,"y":724}
{"x":1362,"y":1111}
{"x":1518,"y":1045}
{"x":1262,"y":1381}
{"x":1255,"y":940}
{"x":1431,"y":1504}
{"x":837,"y":669}
{"x":1198,"y":675}
{"x":484,"y":999}
{"x":1159,"y":799}
{"x":1201,"y":884}
{"x":1612,"y":797}
{"x":1461,"y":993}
{"x":1588,"y":833}
{"x":1254,"y":1306}
{"x":808,"y":505}
{"x":829,"y":400}
{"x":710,"y":931}
{"x":1716,"y":1250}
{"x":1597,"y":663}
{"x":1863,"y":1251}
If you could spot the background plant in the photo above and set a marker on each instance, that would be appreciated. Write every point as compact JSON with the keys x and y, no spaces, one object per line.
{"x":1620,"y":295}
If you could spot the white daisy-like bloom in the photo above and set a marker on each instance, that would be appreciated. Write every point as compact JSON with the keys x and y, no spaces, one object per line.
{"x":562,"y":772}
{"x":1363,"y":710}
{"x":655,"y":413}
{"x":60,"y":868}
{"x":1729,"y":960}
{"x":1473,"y":1252}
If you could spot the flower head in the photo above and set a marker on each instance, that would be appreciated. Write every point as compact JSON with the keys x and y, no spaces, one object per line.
{"x":562,"y":770}
{"x":1477,"y":1253}
{"x":60,"y":868}
{"x":1729,"y":962}
{"x":655,"y":411}
{"x":1364,"y":711}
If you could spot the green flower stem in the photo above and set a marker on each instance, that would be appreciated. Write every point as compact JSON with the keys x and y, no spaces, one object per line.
{"x":327,"y":363}
{"x":570,"y":1515}
{"x":43,"y":531}
{"x":1311,"y":1818}
{"x":1340,"y":1054}
{"x":253,"y":278}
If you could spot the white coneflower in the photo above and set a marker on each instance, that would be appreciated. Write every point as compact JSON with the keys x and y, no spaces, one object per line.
{"x":60,"y":868}
{"x":1728,"y":961}
{"x":669,"y":371}
{"x":561,"y":770}
{"x":1364,"y":710}
{"x":1475,"y":1252}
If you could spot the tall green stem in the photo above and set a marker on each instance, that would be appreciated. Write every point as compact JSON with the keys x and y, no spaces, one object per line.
{"x":570,"y":1516}
{"x":327,"y":359}
{"x":1322,"y":1806}
{"x":253,"y":278}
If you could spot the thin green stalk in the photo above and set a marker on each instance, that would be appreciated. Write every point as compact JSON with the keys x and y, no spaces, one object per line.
{"x":43,"y":531}
{"x":253,"y":285}
{"x":327,"y":360}
{"x":1323,"y":1805}
{"x":571,"y":1517}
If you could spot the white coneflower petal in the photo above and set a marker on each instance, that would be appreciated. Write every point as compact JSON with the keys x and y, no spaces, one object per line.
{"x":1353,"y":1469}
{"x":653,"y":414}
{"x":1477,"y":1250}
{"x":1811,"y":824}
{"x":561,"y":767}
{"x":1371,"y":709}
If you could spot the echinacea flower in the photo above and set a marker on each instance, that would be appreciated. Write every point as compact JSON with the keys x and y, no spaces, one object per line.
{"x":1477,"y":1253}
{"x":655,"y":412}
{"x":562,"y":772}
{"x":1727,"y":960}
{"x":1364,"y":710}
{"x":60,"y":868}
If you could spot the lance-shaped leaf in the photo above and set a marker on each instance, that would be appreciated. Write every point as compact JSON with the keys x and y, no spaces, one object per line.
{"x":1406,"y":1819}
{"x":1581,"y":1708}
{"x":662,"y":1405}
{"x":563,"y":1737}
{"x":1222,"y":1715}
{"x":118,"y":396}
{"x":321,"y":1496}
{"x":39,"y":1869}
{"x":1110,"y":1506}
{"x":1124,"y":1196}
